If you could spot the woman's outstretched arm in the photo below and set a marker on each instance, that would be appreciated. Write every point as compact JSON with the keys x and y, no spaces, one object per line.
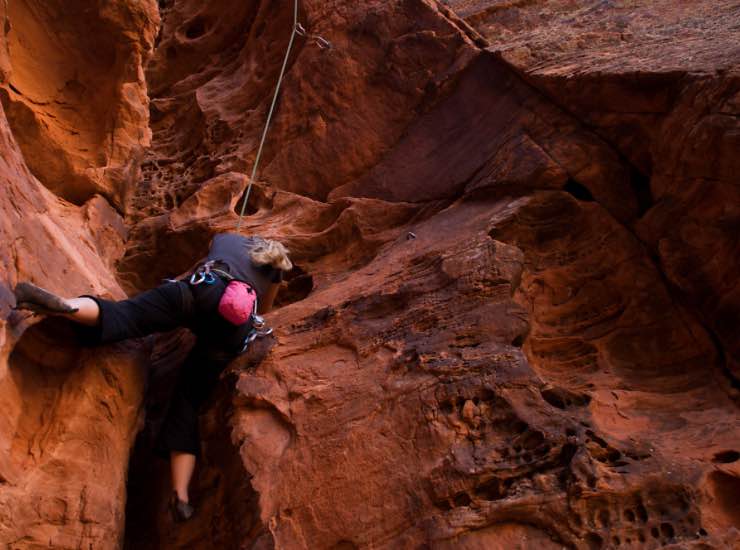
{"x":88,"y":311}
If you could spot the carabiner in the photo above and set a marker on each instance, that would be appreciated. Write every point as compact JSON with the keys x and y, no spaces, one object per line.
{"x":323,"y":43}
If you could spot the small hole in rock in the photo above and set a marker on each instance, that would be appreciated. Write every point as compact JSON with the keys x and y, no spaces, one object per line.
{"x":444,"y":505}
{"x":491,"y":490}
{"x":553,"y":397}
{"x":726,"y":457}
{"x":642,"y":513}
{"x":567,"y":454}
{"x":463,"y":499}
{"x":488,"y":395}
{"x":532,"y":440}
{"x":579,"y":191}
{"x":196,"y":28}
{"x":542,"y":450}
{"x":297,"y":286}
{"x":667,"y":530}
{"x":629,"y":515}
{"x":594,"y":541}
{"x":726,"y":488}
{"x":519,"y":427}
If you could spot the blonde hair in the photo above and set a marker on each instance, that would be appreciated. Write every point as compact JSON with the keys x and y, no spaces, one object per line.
{"x":269,"y":252}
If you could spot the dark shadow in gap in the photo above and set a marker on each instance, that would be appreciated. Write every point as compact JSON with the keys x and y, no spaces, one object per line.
{"x":579,"y":191}
{"x":297,"y":286}
{"x":641,"y":187}
{"x":258,"y":200}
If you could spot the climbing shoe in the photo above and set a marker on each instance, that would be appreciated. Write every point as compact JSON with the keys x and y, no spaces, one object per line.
{"x":180,"y":510}
{"x":31,"y":297}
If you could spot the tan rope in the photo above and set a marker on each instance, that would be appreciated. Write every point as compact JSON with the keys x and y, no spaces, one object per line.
{"x":322,"y":43}
{"x":296,"y":30}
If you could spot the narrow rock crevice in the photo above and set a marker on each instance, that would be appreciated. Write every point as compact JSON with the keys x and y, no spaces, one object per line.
{"x":579,"y":191}
{"x":298,"y":286}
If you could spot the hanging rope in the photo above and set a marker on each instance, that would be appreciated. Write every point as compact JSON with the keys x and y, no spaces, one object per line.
{"x":298,"y":29}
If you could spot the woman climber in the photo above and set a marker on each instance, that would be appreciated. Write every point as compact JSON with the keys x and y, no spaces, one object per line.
{"x":217,"y":302}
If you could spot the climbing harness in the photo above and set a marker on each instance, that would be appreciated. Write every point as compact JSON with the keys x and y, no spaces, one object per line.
{"x":206,"y":273}
{"x":322,"y":43}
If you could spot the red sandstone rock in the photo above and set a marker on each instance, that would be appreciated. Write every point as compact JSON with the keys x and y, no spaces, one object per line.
{"x":520,"y":370}
{"x":513,"y":321}
{"x":660,"y":82}
{"x":69,"y":416}
{"x":74,"y":93}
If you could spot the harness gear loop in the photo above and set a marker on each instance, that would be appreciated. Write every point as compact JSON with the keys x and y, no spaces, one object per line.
{"x":202,"y":274}
{"x":323,"y":43}
{"x":320,"y":41}
{"x":207,"y":273}
{"x":300,"y":30}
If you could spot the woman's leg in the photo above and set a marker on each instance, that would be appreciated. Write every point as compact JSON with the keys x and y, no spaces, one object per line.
{"x":179,"y":436}
{"x":182,"y":466}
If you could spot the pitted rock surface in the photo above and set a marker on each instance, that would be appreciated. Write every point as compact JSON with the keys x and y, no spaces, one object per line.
{"x":514,"y":317}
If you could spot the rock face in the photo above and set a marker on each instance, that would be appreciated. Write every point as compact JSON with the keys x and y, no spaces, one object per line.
{"x":74,"y":93}
{"x":659,"y":83}
{"x":514,"y":317}
{"x":72,"y":116}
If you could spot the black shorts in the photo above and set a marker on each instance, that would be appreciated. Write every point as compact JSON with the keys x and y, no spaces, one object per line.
{"x":167,"y":307}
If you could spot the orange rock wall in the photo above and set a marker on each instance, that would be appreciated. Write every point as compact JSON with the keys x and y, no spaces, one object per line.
{"x":528,"y":370}
{"x":73,"y":116}
{"x":74,"y":92}
{"x":513,"y":321}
